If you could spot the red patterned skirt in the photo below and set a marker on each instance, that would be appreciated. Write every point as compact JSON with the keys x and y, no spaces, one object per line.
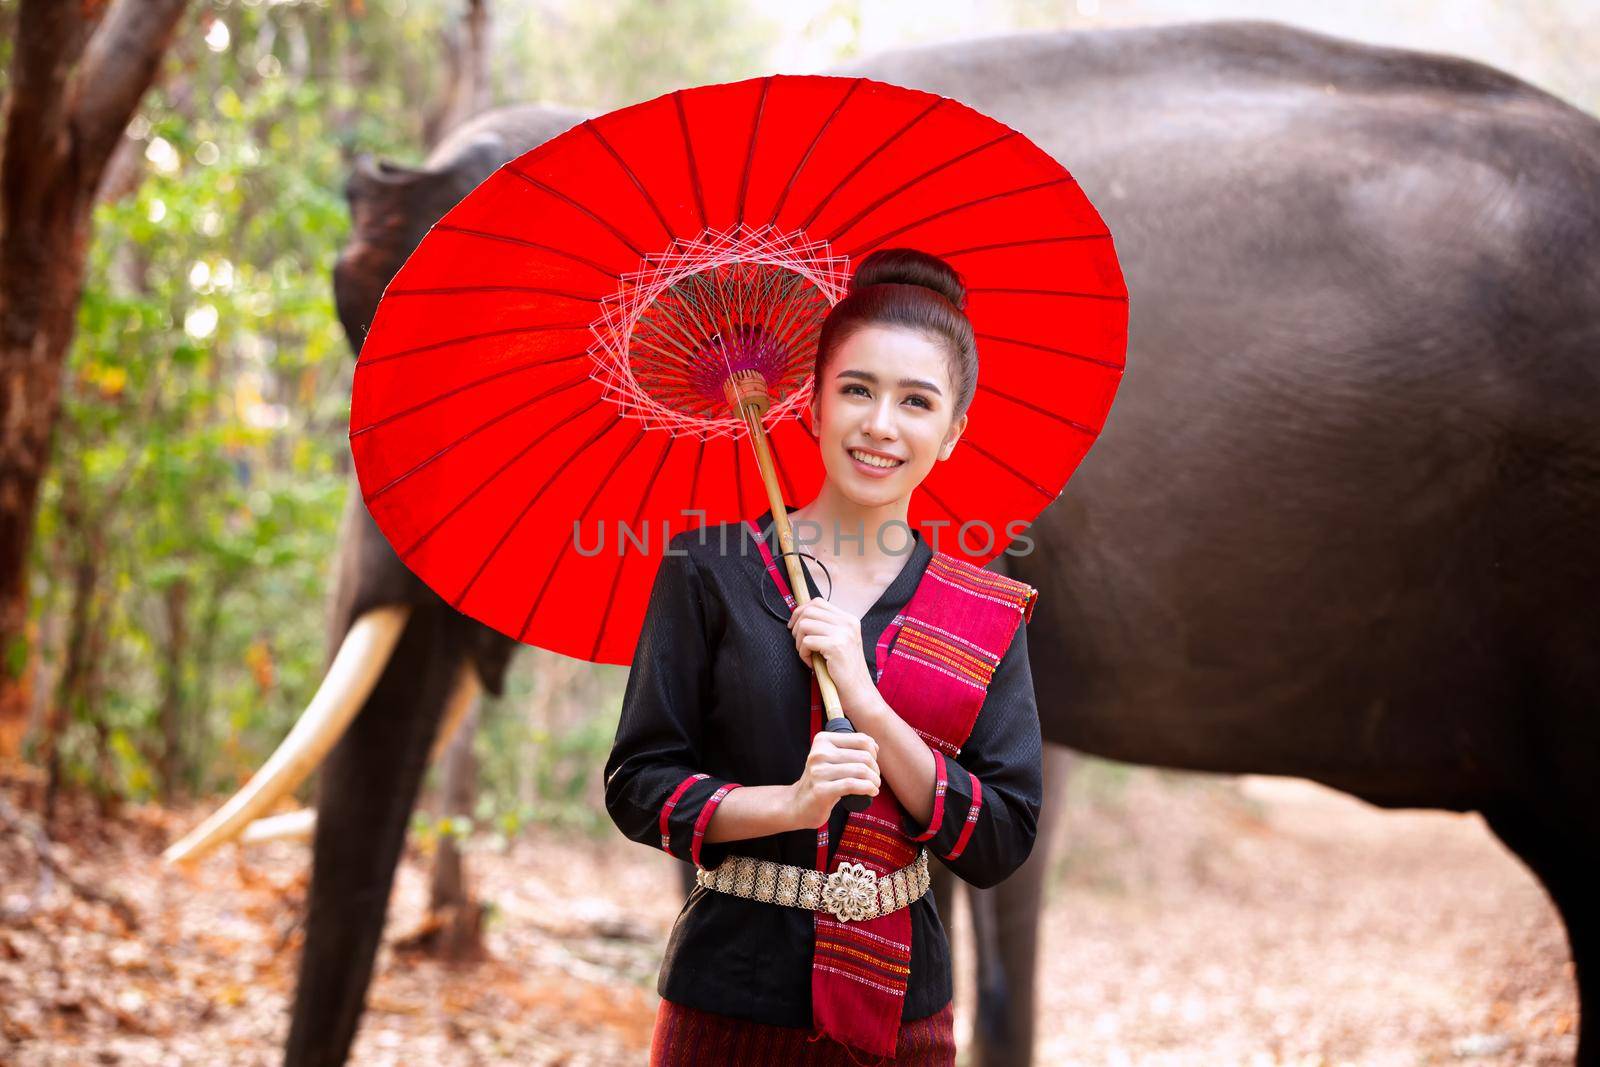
{"x":688,"y":1037}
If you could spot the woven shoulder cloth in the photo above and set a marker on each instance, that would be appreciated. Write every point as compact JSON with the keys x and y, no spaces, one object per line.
{"x":932,"y":665}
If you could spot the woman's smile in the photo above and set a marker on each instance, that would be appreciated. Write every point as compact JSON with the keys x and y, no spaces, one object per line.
{"x":872,"y":464}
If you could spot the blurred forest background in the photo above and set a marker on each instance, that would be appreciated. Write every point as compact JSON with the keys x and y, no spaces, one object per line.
{"x":188,"y":517}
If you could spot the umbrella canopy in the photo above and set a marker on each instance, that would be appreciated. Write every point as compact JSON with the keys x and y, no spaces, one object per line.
{"x":539,"y":402}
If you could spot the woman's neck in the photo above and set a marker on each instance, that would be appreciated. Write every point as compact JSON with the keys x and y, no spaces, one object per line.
{"x":839,"y":528}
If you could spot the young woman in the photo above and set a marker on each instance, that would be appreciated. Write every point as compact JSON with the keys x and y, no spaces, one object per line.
{"x":717,"y":761}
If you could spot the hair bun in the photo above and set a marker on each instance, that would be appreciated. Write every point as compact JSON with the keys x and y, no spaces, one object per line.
{"x":911,"y":266}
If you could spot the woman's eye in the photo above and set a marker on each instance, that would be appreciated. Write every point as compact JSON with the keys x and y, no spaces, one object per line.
{"x":850,"y":387}
{"x":919,"y":400}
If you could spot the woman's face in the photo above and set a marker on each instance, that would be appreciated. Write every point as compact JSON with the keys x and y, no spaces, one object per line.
{"x":886,"y":392}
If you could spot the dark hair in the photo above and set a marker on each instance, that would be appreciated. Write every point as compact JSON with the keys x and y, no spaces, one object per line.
{"x":915,"y":290}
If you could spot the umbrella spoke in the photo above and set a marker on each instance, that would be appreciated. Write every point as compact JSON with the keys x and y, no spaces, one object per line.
{"x":868,"y":158}
{"x":616,"y":575}
{"x":806,"y":158}
{"x":561,"y":468}
{"x":484,"y":484}
{"x":1088,"y":431}
{"x":564,"y":198}
{"x":589,"y":125}
{"x":566,"y":542}
{"x":1009,"y":469}
{"x":433,"y":346}
{"x":991,"y":198}
{"x":487,"y":235}
{"x":474,"y":431}
{"x":1035,"y":345}
{"x":496,"y":376}
{"x":924,"y":176}
{"x":1029,"y":241}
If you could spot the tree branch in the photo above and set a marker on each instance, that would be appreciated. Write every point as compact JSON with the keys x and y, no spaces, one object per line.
{"x":119,"y":64}
{"x":50,"y":38}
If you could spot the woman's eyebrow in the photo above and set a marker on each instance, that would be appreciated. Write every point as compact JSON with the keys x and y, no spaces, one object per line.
{"x":905,"y":383}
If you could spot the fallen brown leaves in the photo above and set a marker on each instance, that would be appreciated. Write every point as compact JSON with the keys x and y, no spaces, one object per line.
{"x":1194,"y":920}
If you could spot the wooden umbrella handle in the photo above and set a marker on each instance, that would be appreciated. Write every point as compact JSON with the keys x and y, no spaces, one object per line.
{"x":749,"y":398}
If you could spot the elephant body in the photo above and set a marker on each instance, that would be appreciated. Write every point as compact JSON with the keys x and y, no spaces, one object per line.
{"x":1344,"y":519}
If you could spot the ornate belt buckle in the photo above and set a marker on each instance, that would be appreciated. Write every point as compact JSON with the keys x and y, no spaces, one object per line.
{"x":851,"y":892}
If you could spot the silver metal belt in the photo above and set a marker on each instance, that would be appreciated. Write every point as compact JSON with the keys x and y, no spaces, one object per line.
{"x":853,"y":892}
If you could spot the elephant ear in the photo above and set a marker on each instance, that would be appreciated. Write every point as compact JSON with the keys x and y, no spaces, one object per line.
{"x":392,"y":206}
{"x":491,"y":656}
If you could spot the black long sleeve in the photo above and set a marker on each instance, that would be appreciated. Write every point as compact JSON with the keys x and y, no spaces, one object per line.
{"x":656,"y":792}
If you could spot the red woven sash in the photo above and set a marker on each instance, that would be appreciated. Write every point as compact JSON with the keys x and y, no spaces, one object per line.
{"x":942,"y":650}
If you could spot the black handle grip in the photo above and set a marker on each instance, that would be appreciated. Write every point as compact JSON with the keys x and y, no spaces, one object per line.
{"x":851,"y":801}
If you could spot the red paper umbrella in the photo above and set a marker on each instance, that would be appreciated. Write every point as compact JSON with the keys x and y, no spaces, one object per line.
{"x":544,"y":395}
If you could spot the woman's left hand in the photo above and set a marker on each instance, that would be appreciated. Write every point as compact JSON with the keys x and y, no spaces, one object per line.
{"x":820,"y":626}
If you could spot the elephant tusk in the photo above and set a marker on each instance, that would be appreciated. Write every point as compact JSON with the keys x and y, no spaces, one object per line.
{"x":467,"y":689}
{"x":298,"y":825}
{"x":344,"y":689}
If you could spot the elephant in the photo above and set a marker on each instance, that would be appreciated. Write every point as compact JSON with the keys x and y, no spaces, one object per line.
{"x":1343,"y":522}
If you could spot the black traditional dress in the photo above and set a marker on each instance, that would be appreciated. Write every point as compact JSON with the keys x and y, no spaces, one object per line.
{"x":718,"y":698}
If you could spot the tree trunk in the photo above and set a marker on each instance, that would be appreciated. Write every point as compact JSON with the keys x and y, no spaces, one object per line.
{"x":455,"y":917}
{"x":469,"y":90}
{"x":75,"y":83}
{"x":176,"y":603}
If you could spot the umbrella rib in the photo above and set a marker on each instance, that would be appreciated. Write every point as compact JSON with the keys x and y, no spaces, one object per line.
{"x":555,"y":564}
{"x":537,"y":184}
{"x":960,"y":207}
{"x":738,"y":482}
{"x":589,"y":125}
{"x":616,"y":575}
{"x":489,"y":235}
{"x":1029,"y":241}
{"x":481,"y":486}
{"x":527,"y":507}
{"x":473,"y":432}
{"x":868,"y":158}
{"x":954,"y":518}
{"x":1003,"y":465}
{"x":1048,"y":348}
{"x":462,"y":388}
{"x":788,"y":185}
{"x":367,"y":361}
{"x":454,"y":290}
{"x":750,"y":154}
{"x":688,"y":153}
{"x":694,"y":481}
{"x":1087,"y":431}
{"x":886,"y":197}
{"x":1120,"y":298}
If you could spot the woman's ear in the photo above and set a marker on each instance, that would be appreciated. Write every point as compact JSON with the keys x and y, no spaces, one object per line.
{"x":957,"y":428}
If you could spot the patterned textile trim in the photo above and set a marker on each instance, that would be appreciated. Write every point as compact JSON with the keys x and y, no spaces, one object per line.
{"x":946,"y":656}
{"x":704,"y":820}
{"x":940,"y":784}
{"x":972,"y":819}
{"x":772,"y":566}
{"x":937,"y":743}
{"x":672,"y":802}
{"x":689,"y":1037}
{"x":985,"y":584}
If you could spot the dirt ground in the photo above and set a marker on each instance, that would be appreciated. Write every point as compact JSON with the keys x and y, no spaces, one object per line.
{"x":1192,"y":920}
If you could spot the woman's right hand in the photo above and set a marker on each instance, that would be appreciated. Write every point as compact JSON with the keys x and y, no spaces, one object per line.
{"x":837,"y":765}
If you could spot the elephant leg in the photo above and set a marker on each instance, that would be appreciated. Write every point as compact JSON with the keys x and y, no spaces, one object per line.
{"x":1006,"y":923}
{"x":1560,"y":850}
{"x":369,"y":785}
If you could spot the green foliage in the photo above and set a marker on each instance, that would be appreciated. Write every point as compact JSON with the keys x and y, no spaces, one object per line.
{"x":201,"y":462}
